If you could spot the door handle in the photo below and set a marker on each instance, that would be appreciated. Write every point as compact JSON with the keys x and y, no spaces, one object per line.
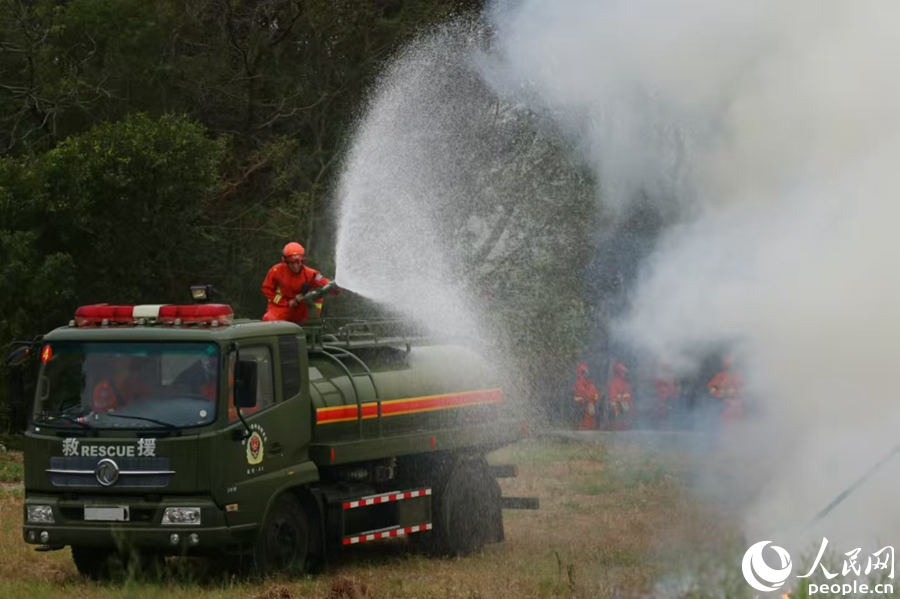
{"x":276,"y":447}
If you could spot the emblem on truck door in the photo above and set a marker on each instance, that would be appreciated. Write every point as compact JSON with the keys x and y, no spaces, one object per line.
{"x":107,"y":472}
{"x":255,"y":449}
{"x":256,"y":445}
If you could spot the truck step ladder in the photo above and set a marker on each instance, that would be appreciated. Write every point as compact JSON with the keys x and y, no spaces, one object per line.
{"x":384,"y":498}
{"x":384,"y":533}
{"x":362,"y":517}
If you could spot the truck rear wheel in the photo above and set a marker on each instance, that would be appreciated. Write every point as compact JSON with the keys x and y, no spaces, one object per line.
{"x":468,"y":512}
{"x":284,"y":542}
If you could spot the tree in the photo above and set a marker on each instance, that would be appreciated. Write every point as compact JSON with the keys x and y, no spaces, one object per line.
{"x":117,"y":214}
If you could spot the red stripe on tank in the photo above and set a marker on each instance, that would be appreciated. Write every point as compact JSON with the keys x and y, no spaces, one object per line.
{"x":345,"y":413}
{"x":410,"y":405}
{"x":399,"y":407}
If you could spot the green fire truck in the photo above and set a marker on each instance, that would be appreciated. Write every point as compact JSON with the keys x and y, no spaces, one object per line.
{"x":163,"y":430}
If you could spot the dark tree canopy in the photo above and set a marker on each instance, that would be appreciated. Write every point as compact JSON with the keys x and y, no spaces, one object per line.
{"x":146,"y":145}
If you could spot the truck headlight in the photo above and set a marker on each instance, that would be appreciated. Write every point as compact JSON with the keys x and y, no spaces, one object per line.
{"x":181,"y":515}
{"x":39,"y":513}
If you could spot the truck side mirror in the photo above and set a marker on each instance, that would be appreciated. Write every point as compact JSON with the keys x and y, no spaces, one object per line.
{"x":245,"y":384}
{"x":19,"y":357}
{"x":22,"y":367}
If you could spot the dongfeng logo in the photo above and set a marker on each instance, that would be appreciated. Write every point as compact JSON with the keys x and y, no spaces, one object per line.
{"x":758,"y":573}
{"x":107,"y":472}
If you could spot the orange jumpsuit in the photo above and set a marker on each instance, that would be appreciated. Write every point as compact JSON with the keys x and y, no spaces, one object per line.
{"x":666,"y":389}
{"x":727,"y":386}
{"x":281,"y":286}
{"x":586,"y":396}
{"x":619,"y":392}
{"x":108,"y":395}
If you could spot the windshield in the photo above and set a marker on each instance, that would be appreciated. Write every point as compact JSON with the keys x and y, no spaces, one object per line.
{"x":128,"y":385}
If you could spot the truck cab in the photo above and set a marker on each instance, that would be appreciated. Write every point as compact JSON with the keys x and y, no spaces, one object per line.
{"x":178,"y":430}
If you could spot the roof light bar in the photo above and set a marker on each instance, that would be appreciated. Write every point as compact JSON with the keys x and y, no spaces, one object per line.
{"x":104,"y":314}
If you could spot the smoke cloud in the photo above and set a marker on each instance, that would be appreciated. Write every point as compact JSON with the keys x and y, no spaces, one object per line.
{"x":768,"y":132}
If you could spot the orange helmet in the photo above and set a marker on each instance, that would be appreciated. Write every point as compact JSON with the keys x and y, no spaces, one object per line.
{"x":293,"y":252}
{"x":620,"y":368}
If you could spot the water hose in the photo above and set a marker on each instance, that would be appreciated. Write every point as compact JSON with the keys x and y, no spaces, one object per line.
{"x":849,"y":490}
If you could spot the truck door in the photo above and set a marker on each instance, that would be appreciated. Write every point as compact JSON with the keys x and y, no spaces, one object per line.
{"x":254,"y":463}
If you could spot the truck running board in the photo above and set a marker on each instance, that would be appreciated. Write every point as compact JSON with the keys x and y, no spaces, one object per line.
{"x":520,"y":503}
{"x":384,"y":498}
{"x":504,"y":471}
{"x":394,"y":531}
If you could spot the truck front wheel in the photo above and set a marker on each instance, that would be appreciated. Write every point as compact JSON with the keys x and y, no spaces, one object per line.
{"x":284,"y":541}
{"x":103,"y":563}
{"x":95,"y":563}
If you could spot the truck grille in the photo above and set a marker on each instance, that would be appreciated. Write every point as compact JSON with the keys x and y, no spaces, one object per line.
{"x":134,"y":473}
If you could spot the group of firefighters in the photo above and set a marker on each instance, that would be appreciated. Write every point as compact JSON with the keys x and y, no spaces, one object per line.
{"x":616,"y":411}
{"x":288,"y":282}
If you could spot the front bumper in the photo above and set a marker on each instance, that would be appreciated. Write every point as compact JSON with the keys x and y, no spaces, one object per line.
{"x":143,"y":530}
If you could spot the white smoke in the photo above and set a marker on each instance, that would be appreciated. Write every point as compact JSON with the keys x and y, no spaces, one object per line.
{"x":769,"y":130}
{"x":772,"y":128}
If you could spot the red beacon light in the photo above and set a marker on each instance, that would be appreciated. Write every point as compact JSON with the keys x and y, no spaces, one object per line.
{"x":104,"y":314}
{"x":212,"y":314}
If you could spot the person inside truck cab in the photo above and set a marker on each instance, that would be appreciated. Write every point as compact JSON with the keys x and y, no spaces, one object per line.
{"x":121,"y":387}
{"x":287,"y":282}
{"x":198,"y":379}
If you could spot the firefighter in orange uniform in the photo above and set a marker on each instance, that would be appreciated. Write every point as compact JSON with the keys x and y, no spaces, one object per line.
{"x":586,"y":397}
{"x":727,"y":386}
{"x":619,"y":392}
{"x":667,"y":388}
{"x":206,"y":386}
{"x":123,"y":387}
{"x":287,"y":283}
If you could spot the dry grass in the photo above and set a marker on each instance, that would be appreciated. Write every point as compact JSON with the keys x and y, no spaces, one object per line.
{"x":12,"y":467}
{"x":613,"y":521}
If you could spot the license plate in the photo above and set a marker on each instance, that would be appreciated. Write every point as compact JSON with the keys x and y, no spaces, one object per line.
{"x":106,"y":514}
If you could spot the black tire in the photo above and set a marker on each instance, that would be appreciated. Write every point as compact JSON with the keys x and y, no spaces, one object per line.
{"x":467,"y":512}
{"x":105,"y":563}
{"x":145,"y":565}
{"x":96,"y":563}
{"x":284,"y":544}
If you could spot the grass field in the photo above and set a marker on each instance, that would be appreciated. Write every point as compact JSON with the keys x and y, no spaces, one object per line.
{"x":614,"y":521}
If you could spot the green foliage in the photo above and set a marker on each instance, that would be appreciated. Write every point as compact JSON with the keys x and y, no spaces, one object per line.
{"x":107,"y":196}
{"x":117,"y":214}
{"x":132,"y":197}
